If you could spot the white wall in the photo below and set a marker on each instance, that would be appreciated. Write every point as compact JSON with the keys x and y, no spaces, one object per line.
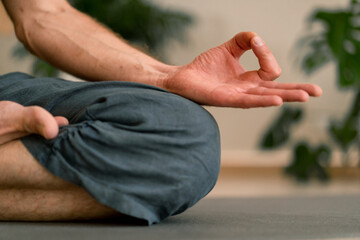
{"x":280,"y":23}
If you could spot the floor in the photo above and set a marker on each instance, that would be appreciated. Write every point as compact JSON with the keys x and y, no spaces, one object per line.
{"x":335,"y":217}
{"x":245,"y":182}
{"x":245,"y":204}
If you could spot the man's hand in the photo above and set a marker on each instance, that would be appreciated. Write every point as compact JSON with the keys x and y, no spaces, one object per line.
{"x":17,"y":121}
{"x":217,"y":78}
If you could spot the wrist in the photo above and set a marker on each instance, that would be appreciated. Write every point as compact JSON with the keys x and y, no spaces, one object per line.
{"x":164,"y":73}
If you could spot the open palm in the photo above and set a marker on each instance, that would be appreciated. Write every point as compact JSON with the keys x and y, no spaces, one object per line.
{"x":217,"y":78}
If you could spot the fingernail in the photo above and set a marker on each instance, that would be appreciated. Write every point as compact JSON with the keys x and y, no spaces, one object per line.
{"x":257,"y":41}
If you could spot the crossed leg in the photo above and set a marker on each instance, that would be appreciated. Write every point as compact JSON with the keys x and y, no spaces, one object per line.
{"x":28,"y":192}
{"x":148,"y":153}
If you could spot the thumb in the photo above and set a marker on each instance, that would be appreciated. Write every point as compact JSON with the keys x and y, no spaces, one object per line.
{"x":38,"y":120}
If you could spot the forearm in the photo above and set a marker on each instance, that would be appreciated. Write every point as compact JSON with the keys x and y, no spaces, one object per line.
{"x":77,"y":44}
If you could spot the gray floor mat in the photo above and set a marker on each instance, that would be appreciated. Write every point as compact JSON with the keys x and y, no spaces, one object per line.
{"x":331,"y":217}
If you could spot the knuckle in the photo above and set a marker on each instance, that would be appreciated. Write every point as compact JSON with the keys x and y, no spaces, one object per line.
{"x":251,"y":34}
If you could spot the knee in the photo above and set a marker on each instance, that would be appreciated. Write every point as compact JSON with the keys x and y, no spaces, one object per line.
{"x":199,"y":153}
{"x":161,"y":153}
{"x":178,"y":142}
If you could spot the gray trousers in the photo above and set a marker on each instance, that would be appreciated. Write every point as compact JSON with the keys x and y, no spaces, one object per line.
{"x":138,"y":149}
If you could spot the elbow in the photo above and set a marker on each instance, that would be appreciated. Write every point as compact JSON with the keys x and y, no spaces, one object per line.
{"x":20,"y":33}
{"x":24,"y":30}
{"x":29,"y":21}
{"x":25,"y":25}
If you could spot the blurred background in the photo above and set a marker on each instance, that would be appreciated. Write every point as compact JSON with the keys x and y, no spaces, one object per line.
{"x":315,"y":142}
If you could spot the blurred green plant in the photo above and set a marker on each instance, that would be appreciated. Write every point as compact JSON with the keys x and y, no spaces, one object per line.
{"x":338,"y":42}
{"x":308,"y":162}
{"x":138,"y":21}
{"x":346,"y":132}
{"x":279,"y":133}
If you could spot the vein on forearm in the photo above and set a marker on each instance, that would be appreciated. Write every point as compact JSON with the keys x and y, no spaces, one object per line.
{"x":77,"y":44}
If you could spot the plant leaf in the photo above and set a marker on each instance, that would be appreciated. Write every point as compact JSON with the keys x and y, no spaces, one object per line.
{"x":345,"y":133}
{"x":344,"y":47}
{"x":43,"y":69}
{"x":279,"y":131}
{"x":308,"y":162}
{"x":138,"y":21}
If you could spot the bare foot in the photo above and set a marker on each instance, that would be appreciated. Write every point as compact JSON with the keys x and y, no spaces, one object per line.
{"x":17,"y":121}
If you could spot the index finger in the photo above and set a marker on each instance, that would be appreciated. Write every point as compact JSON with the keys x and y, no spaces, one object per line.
{"x":269,"y":67}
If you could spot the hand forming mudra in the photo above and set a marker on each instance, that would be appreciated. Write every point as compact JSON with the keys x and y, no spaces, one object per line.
{"x":214,"y":78}
{"x":217,"y":78}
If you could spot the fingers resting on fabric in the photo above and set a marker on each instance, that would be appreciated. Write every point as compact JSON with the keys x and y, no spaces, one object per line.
{"x":17,"y":121}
